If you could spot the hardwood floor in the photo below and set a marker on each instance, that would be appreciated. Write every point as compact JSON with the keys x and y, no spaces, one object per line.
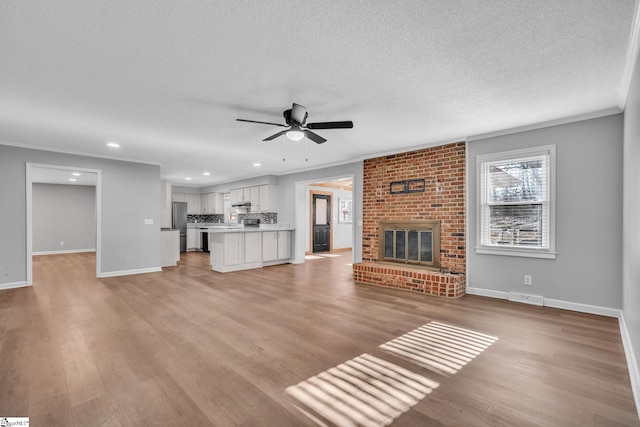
{"x":275,"y":346}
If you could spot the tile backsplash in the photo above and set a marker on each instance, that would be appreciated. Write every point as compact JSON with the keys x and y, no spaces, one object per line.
{"x":196,"y":219}
{"x":265,"y":218}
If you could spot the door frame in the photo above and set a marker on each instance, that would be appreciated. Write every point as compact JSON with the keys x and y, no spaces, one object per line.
{"x":29,"y":179}
{"x":321,"y":193}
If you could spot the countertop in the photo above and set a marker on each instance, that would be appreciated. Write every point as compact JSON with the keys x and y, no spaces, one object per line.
{"x":236,"y":229}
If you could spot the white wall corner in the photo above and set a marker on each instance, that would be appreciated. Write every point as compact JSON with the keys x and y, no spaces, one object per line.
{"x":632,"y":362}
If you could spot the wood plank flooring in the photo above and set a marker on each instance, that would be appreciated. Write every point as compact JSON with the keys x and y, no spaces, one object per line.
{"x":189,"y":346}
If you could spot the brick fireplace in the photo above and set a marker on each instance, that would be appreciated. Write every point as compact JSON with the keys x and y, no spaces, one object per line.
{"x":418,"y":187}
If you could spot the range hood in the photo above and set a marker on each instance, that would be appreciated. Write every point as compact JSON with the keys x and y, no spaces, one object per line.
{"x":241,"y":205}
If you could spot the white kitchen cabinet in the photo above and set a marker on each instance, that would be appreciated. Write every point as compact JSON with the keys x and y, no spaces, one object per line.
{"x":194,"y":202}
{"x":268,"y":198}
{"x":276,"y":245}
{"x":263,"y":198}
{"x":237,"y":196}
{"x":284,"y":244}
{"x":212,"y":203}
{"x":233,"y":247}
{"x":235,"y":250}
{"x":252,"y":249}
{"x":193,"y":239}
{"x":169,"y":248}
{"x":254,"y":198}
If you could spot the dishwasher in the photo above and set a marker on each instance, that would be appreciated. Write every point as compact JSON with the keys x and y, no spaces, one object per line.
{"x":205,"y":239}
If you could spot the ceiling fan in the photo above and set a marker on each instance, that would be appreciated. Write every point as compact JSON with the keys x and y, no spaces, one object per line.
{"x":296,"y":119}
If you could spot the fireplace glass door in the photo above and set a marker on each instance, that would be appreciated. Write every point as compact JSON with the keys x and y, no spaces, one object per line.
{"x":411,"y":245}
{"x":408,"y":246}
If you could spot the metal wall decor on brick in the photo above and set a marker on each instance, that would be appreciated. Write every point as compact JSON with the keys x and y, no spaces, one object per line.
{"x":407,"y":186}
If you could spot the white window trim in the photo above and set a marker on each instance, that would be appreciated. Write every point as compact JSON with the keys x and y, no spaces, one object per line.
{"x":549,"y":253}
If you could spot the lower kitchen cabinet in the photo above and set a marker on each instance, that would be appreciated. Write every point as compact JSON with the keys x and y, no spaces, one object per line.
{"x":169,"y":247}
{"x":276,"y":245}
{"x":193,"y":239}
{"x":252,"y":248}
{"x":238,"y":250}
{"x":232,"y":254}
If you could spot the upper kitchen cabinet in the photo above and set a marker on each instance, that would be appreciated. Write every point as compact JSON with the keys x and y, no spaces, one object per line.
{"x":254,"y":198}
{"x":194,"y":202}
{"x":268,"y":198}
{"x":237,"y":195}
{"x":212,"y":203}
{"x":263,"y":198}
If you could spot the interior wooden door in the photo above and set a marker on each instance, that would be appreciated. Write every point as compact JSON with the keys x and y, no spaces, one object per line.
{"x":321,"y":223}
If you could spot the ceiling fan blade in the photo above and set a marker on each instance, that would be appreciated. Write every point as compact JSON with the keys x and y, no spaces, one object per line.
{"x":299,"y":113}
{"x":330,"y":125}
{"x":314,"y":137}
{"x":274,"y":136}
{"x":263,"y":123}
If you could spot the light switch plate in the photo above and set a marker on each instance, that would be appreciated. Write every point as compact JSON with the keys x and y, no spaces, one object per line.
{"x":148,"y":222}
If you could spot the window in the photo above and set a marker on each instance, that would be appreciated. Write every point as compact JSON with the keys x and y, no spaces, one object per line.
{"x":516,"y":200}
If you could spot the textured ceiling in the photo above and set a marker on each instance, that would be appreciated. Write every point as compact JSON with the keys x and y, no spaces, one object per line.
{"x":167,"y":79}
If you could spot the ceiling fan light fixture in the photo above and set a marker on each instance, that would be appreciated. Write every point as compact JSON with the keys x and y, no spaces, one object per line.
{"x":295,"y":134}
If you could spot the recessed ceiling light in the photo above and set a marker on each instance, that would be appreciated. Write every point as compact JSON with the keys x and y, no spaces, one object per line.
{"x":206,"y":173}
{"x":113,"y":145}
{"x":76,"y":174}
{"x":72,"y":179}
{"x":256,"y":164}
{"x":188,"y":178}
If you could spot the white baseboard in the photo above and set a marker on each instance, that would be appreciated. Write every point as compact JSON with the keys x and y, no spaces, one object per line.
{"x":70,"y":251}
{"x":13,"y":285}
{"x":632,"y":362}
{"x":129,"y":272}
{"x":487,"y":293}
{"x":583,"y":308}
{"x":548,"y":302}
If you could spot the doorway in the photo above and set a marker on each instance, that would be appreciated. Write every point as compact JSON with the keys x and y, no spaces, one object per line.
{"x":321,"y":222}
{"x":53,"y":174}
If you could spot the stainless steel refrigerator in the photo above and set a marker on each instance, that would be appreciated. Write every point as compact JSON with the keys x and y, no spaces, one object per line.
{"x":179,"y":222}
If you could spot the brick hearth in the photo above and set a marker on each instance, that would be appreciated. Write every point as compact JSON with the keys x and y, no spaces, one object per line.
{"x":443,"y":169}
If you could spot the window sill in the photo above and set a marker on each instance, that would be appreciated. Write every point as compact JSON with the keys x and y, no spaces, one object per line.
{"x":526,"y":253}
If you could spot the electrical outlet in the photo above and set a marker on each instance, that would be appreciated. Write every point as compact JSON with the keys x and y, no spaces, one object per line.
{"x":527,"y":280}
{"x":61,"y":242}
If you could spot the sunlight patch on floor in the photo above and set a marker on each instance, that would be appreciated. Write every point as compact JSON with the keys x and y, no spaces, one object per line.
{"x":440,"y":347}
{"x":364,"y":391}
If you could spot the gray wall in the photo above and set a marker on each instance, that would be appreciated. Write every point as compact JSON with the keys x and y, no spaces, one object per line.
{"x":588,"y":266}
{"x":631,"y":240}
{"x":342,"y":232}
{"x":130,"y":194}
{"x":63,"y":213}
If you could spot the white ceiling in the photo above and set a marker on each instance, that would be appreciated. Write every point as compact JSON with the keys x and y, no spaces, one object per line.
{"x":167,"y":79}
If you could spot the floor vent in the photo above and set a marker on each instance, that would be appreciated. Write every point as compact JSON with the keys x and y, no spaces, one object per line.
{"x":526,"y":298}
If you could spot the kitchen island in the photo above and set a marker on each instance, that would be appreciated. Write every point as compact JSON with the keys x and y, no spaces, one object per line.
{"x":236,"y":248}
